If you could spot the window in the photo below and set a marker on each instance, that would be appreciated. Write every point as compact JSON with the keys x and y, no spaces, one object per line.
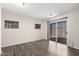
{"x":11,"y":24}
{"x":37,"y":26}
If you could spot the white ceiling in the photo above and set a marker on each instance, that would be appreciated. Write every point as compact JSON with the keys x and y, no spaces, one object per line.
{"x":40,"y":10}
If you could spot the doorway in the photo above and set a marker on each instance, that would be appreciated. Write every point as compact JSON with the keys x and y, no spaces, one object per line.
{"x":58,"y":31}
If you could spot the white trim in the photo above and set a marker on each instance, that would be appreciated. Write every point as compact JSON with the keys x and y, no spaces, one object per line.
{"x":0,"y":31}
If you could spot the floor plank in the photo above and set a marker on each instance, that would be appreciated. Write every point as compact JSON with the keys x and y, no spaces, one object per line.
{"x":39,"y":48}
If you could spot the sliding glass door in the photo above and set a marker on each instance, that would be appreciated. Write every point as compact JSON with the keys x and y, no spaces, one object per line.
{"x":58,"y":31}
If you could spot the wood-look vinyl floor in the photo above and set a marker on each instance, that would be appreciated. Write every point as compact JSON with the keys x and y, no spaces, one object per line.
{"x":39,"y":48}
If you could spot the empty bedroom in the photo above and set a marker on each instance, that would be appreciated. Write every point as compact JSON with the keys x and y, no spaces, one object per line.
{"x":39,"y":29}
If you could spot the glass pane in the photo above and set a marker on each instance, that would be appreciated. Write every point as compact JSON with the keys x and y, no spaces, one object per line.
{"x":61,"y":32}
{"x":53,"y":31}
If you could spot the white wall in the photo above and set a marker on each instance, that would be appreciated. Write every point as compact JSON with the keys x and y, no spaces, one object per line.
{"x":72,"y":28}
{"x":26,"y":31}
{"x":0,"y":29}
